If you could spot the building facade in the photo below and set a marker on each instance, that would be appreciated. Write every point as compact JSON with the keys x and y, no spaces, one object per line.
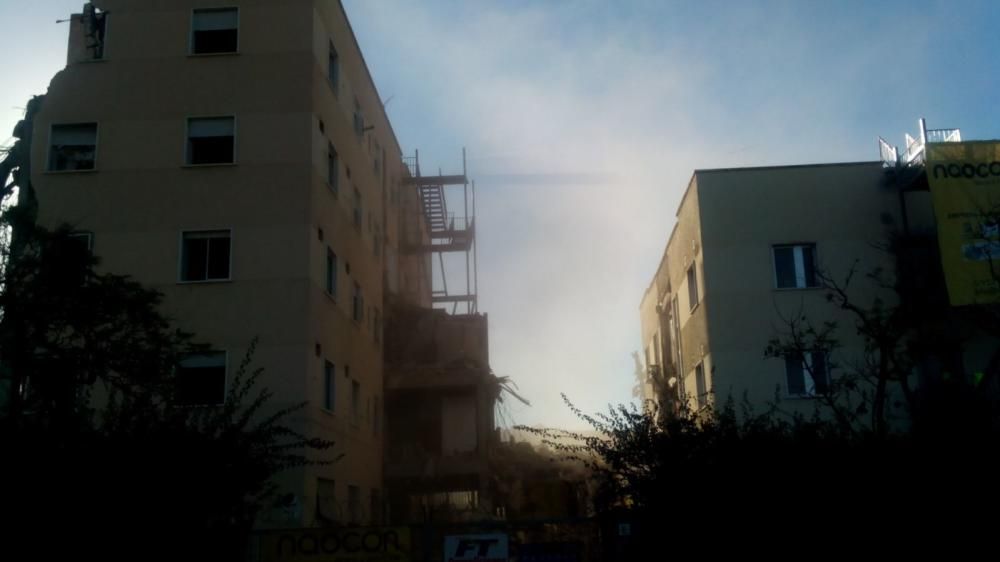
{"x":742,"y":261}
{"x":235,"y":155}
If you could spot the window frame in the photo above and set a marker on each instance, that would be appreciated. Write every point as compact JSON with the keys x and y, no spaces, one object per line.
{"x":326,"y":500}
{"x":191,"y":30}
{"x":700,"y":385}
{"x":187,"y":141}
{"x":793,"y":246}
{"x":104,"y":40}
{"x":332,"y":168}
{"x":357,"y":210}
{"x":805,"y":364}
{"x":357,"y":303}
{"x":180,"y":258}
{"x":358,"y":121}
{"x":354,"y":504}
{"x":355,"y":402}
{"x":333,"y":69}
{"x":692,"y":283}
{"x":329,"y":387}
{"x":88,"y":235}
{"x":225,"y":377}
{"x":48,"y":148}
{"x":332,"y":274}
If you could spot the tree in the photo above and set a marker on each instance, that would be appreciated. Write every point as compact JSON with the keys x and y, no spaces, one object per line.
{"x":911,"y":352}
{"x":67,"y":329}
{"x":90,"y":433}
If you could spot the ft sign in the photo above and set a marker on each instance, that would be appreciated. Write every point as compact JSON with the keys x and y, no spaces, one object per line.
{"x":481,"y":548}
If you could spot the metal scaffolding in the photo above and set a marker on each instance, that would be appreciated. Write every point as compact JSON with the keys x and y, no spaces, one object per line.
{"x":448,"y":233}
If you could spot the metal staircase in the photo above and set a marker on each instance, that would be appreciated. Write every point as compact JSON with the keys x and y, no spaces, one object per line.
{"x":447,"y":233}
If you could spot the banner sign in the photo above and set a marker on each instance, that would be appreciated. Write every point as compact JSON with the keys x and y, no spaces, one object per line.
{"x":481,"y":548}
{"x":353,"y":544}
{"x":964,"y":179}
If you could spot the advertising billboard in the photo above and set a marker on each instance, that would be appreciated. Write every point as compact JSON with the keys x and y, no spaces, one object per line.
{"x":480,"y":548}
{"x":964,"y":179}
{"x":352,"y":544}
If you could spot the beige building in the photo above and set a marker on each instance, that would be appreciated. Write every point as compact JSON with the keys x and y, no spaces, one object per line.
{"x":740,"y":262}
{"x":235,"y":155}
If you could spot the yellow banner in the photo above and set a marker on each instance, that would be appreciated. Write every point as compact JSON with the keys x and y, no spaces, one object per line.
{"x":964,"y":179}
{"x":353,"y":544}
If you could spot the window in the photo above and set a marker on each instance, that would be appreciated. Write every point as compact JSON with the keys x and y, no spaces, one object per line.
{"x":215,"y":31}
{"x":359,"y":120}
{"x":334,"y":69}
{"x":85,"y":239}
{"x":205,"y":256}
{"x":329,"y":387}
{"x":692,"y":283}
{"x":376,"y":508}
{"x":201,"y":380}
{"x":331,"y":273}
{"x":357,"y":304}
{"x":354,"y":503}
{"x":95,"y":24}
{"x":355,"y":401}
{"x":73,"y":147}
{"x":795,"y":266}
{"x":358,"y":213}
{"x":656,"y":348}
{"x":808,"y":374}
{"x":332,"y":169}
{"x":326,"y":499}
{"x":211,"y":140}
{"x":700,"y":387}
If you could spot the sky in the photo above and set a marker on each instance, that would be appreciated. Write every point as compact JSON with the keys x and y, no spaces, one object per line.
{"x":583,"y":121}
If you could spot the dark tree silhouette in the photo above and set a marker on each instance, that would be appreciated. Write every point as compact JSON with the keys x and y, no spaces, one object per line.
{"x":90,"y":433}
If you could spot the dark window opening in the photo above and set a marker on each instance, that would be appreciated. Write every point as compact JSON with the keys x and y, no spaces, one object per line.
{"x":331,"y":273}
{"x":205,"y":256}
{"x":85,"y":239}
{"x":329,"y":386}
{"x":211,"y":141}
{"x":795,"y":266}
{"x":700,"y":386}
{"x":326,"y":500}
{"x":358,"y":211}
{"x":95,"y":28}
{"x":332,"y":168}
{"x":357,"y":304}
{"x":355,"y":401}
{"x":73,"y":147}
{"x":692,"y":283}
{"x":334,"y":68}
{"x":215,"y":31}
{"x":201,"y":380}
{"x":807,"y":374}
{"x":359,"y":120}
{"x":354,"y":504}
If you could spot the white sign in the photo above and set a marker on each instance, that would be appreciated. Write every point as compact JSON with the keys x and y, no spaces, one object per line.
{"x":480,"y":548}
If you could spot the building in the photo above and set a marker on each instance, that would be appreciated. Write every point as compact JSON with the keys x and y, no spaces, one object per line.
{"x":742,"y":262}
{"x":236,"y":156}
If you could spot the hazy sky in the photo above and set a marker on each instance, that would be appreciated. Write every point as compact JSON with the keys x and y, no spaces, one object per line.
{"x":584,"y":120}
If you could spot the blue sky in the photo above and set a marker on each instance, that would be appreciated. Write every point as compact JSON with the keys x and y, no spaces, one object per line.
{"x":584,"y":120}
